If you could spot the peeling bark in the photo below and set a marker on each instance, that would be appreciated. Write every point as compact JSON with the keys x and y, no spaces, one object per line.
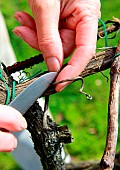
{"x":49,"y":139}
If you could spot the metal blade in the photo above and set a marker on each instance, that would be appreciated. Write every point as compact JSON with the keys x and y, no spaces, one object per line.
{"x":30,"y":94}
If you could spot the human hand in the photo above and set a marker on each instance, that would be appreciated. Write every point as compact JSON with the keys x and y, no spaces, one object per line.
{"x":10,"y":120}
{"x":59,"y":28}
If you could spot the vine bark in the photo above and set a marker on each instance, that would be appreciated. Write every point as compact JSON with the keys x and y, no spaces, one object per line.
{"x":48,"y":141}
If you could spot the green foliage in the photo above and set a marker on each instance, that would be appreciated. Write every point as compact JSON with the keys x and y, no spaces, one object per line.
{"x":7,"y":162}
{"x":87,"y":119}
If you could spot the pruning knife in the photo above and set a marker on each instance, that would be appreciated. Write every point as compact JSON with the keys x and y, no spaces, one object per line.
{"x":31,"y":93}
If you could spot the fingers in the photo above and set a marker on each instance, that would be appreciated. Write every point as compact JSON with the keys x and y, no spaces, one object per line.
{"x":80,"y":31}
{"x":68,"y":41}
{"x":86,"y":38}
{"x":46,"y":16}
{"x":11,"y":119}
{"x":25,"y":19}
{"x":8,"y":142}
{"x":27,"y":32}
{"x":28,"y":35}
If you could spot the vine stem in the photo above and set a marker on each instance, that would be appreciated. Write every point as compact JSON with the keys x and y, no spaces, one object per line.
{"x":100,"y":62}
{"x":107,"y":161}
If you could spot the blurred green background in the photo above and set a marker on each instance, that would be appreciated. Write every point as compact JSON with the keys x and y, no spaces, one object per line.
{"x":87,"y":119}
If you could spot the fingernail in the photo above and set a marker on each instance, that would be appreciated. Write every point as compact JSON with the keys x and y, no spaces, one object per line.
{"x":15,"y":143}
{"x":62,"y":88}
{"x":17,"y":33}
{"x":23,"y":123}
{"x":18,"y":18}
{"x":53,"y":64}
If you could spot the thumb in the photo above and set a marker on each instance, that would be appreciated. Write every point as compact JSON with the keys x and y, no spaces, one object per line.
{"x":46,"y":16}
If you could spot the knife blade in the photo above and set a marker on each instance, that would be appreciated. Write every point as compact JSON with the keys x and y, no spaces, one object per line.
{"x":31,"y":93}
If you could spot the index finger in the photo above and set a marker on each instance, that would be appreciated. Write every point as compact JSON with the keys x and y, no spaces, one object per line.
{"x":86,"y":37}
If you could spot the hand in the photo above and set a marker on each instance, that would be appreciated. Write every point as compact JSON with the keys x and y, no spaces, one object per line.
{"x":10,"y":120}
{"x":59,"y":28}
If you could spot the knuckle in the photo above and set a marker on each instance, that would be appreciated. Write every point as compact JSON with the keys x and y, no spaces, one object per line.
{"x":40,"y":6}
{"x":94,"y":8}
{"x":48,"y":42}
{"x":87,"y":12}
{"x":90,"y":10}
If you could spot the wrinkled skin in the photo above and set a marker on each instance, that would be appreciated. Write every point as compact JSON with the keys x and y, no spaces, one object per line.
{"x":60,"y":27}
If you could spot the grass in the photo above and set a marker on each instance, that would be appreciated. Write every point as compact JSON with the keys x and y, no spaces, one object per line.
{"x":87,"y":119}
